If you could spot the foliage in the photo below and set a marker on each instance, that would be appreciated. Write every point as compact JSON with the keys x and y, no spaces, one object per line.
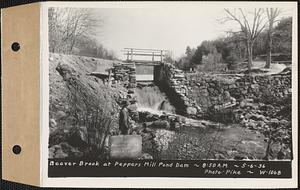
{"x":189,"y":52}
{"x":67,"y":25}
{"x":183,"y":63}
{"x":93,"y":119}
{"x":282,"y":42}
{"x":90,"y":112}
{"x":91,"y":48}
{"x":197,"y":57}
{"x":272,"y":19}
{"x":73,"y":30}
{"x":232,"y":49}
{"x":251,"y":26}
{"x":232,"y":60}
{"x":168,"y":58}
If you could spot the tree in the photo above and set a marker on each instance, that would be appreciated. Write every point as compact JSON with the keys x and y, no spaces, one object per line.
{"x":282,"y":38}
{"x":197,"y":57}
{"x":272,"y":15}
{"x":92,"y":48}
{"x":188,"y":51}
{"x":68,"y":25}
{"x":168,"y":57}
{"x":223,"y":47}
{"x":207,"y":47}
{"x":248,"y":31}
{"x":237,"y":47}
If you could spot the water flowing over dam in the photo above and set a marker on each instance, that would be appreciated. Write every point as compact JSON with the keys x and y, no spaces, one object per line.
{"x":151,"y":99}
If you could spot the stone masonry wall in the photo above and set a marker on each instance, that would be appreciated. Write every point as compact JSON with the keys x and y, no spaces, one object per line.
{"x":125,"y":74}
{"x":206,"y":90}
{"x":173,"y":82}
{"x":195,"y":94}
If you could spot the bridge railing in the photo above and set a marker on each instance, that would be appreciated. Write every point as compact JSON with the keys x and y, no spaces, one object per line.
{"x":131,"y":54}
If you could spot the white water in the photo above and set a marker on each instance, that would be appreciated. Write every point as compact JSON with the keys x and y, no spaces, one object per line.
{"x":151,"y":99}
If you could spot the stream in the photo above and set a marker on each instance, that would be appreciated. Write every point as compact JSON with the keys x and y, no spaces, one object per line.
{"x":196,"y":139}
{"x":151,"y":99}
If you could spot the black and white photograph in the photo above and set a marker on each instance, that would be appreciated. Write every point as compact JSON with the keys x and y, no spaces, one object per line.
{"x":167,"y":86}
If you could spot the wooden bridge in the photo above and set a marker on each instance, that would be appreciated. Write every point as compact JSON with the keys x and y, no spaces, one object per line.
{"x":145,"y":61}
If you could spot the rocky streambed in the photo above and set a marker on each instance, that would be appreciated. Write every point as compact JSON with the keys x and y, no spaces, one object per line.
{"x":241,"y":134}
{"x":169,"y":136}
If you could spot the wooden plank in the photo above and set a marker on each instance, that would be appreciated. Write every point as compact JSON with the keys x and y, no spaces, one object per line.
{"x":145,"y":54}
{"x":140,"y":49}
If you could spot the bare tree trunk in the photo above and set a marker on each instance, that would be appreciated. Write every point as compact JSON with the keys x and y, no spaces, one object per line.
{"x":272,"y":15}
{"x":249,"y":32}
{"x":269,"y":47}
{"x":72,"y":45}
{"x":249,"y":55}
{"x":239,"y":52}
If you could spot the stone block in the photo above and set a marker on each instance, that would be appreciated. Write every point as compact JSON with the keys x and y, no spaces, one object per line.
{"x":191,"y":110}
{"x":232,"y":86}
{"x":254,"y":86}
{"x":179,"y":75}
{"x":125,"y":146}
{"x":163,"y":124}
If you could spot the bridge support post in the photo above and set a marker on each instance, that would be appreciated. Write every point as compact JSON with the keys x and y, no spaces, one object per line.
{"x":127,"y":55}
{"x":152,"y":56}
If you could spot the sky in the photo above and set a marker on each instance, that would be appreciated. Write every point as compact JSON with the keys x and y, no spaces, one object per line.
{"x":165,"y":28}
{"x":170,"y":28}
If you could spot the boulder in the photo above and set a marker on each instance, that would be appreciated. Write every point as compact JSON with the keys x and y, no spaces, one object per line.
{"x":220,"y":156}
{"x":57,"y":136}
{"x":175,"y":125}
{"x":53,"y":150}
{"x":251,"y":124}
{"x":172,"y":117}
{"x":191,"y":110}
{"x":274,"y":121}
{"x":284,"y":122}
{"x":64,"y":150}
{"x":59,"y":154}
{"x":61,"y":114}
{"x":78,"y":137}
{"x":146,"y":156}
{"x":254,"y":86}
{"x":257,"y":117}
{"x":52,"y":124}
{"x":240,"y":157}
{"x":70,"y":151}
{"x":130,"y":91}
{"x":281,"y":155}
{"x":164,"y":124}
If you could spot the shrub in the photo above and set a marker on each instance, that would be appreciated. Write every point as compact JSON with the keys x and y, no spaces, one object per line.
{"x":92,"y":110}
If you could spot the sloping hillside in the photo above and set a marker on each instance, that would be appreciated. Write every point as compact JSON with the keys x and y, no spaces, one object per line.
{"x":82,"y":109}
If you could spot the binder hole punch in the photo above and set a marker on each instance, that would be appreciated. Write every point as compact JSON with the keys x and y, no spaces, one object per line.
{"x":15,"y":46}
{"x":16,"y":149}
